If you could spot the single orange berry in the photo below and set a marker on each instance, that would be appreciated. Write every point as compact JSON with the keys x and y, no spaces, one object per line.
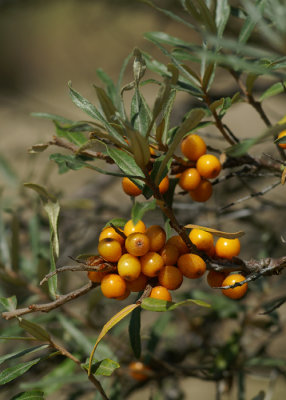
{"x":125,"y":295}
{"x":164,"y":185}
{"x":170,"y":254}
{"x":152,"y":151}
{"x":137,"y":244}
{"x":110,"y":233}
{"x":170,"y":277}
{"x":138,"y":284}
{"x":215,"y":278}
{"x":113,"y":286}
{"x":203,"y":192}
{"x":130,"y":188}
{"x":208,"y":166}
{"x":96,"y":276}
{"x":129,"y":267}
{"x":202,"y":239}
{"x":157,"y":237}
{"x":190,"y":179}
{"x":191,"y":265}
{"x":110,"y":249}
{"x":179,"y":243}
{"x":151,"y":264}
{"x":237,"y":292}
{"x":282,"y":134}
{"x":193,"y":147}
{"x":129,"y":227}
{"x":161,"y":293}
{"x":227,"y":248}
{"x":139,"y":371}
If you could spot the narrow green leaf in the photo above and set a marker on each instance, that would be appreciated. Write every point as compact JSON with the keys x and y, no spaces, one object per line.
{"x":34,"y":329}
{"x":21,"y":353}
{"x":139,"y":147}
{"x":92,"y":111}
{"x":162,"y":305}
{"x":10,"y":303}
{"x":127,"y":164}
{"x":139,"y":209}
{"x":53,"y":117}
{"x":134,"y":332}
{"x":250,"y":22}
{"x":276,"y":88}
{"x":206,"y":15}
{"x":9,"y":374}
{"x":110,"y":87}
{"x":31,"y":395}
{"x":104,"y":367}
{"x":106,"y":104}
{"x":116,"y":222}
{"x":75,"y":137}
{"x":208,"y":76}
{"x":140,"y":113}
{"x":222,"y":16}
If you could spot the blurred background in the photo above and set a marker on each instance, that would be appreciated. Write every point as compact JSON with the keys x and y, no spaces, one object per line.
{"x":45,"y":44}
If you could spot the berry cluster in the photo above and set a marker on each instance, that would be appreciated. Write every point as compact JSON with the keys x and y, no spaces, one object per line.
{"x":136,"y":256}
{"x":195,"y":180}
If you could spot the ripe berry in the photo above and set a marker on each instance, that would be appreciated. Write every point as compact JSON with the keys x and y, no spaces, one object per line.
{"x":215,"y":278}
{"x":237,"y":292}
{"x":227,"y":248}
{"x":157,"y":237}
{"x":96,"y":276}
{"x":110,"y":233}
{"x":190,"y":179}
{"x":208,"y":166}
{"x":179,"y":243}
{"x":170,"y":254}
{"x":110,"y":249}
{"x":193,"y":147}
{"x":161,"y":293}
{"x":139,"y":371}
{"x":138,"y":284}
{"x":130,"y":188}
{"x":170,"y":277}
{"x":137,"y":244}
{"x":129,"y":227}
{"x":164,"y":185}
{"x":151,"y":264}
{"x":124,"y":296}
{"x":129,"y":267}
{"x":282,"y":134}
{"x":113,"y":286}
{"x":202,"y":239}
{"x":191,"y":265}
{"x":203,"y":192}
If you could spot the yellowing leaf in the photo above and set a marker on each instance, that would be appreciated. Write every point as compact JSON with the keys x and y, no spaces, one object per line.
{"x":215,"y":232}
{"x":283,"y":176}
{"x":110,"y":324}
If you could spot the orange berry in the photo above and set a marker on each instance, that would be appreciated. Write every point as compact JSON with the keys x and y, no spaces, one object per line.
{"x":282,"y":134}
{"x":208,"y":166}
{"x":129,"y":227}
{"x":170,"y":254}
{"x":110,"y":233}
{"x":110,"y":249}
{"x":139,"y":371}
{"x":193,"y":147}
{"x":138,"y":284}
{"x":125,"y":295}
{"x":130,"y":188}
{"x":237,"y":292}
{"x":137,"y":244}
{"x":190,"y":179}
{"x":96,"y":276}
{"x":113,"y":286}
{"x":179,"y":243}
{"x":203,"y":192}
{"x":151,"y":264}
{"x":161,"y":293}
{"x":191,"y":265}
{"x":227,"y":248}
{"x":157,"y":237}
{"x":170,"y":277}
{"x":202,"y":239}
{"x":164,"y":185}
{"x":215,"y":278}
{"x":152,"y":151}
{"x":129,"y":267}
